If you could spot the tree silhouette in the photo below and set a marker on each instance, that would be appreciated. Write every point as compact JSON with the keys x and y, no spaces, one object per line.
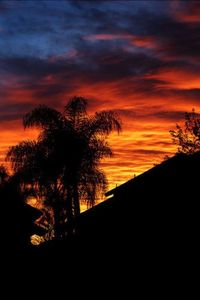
{"x":63,"y":164}
{"x":188,"y":137}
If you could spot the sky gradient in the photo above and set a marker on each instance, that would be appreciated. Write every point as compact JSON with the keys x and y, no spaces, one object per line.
{"x":139,"y":58}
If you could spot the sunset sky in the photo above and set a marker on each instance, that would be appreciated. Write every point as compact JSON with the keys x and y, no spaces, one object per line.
{"x":139,"y":58}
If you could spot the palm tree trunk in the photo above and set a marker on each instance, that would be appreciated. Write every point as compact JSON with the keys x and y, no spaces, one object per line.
{"x":76,"y":208}
{"x":76,"y":201}
{"x":57,"y":225}
{"x":69,"y":212}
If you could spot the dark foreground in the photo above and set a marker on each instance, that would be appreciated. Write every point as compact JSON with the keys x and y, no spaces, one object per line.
{"x":147,"y":232}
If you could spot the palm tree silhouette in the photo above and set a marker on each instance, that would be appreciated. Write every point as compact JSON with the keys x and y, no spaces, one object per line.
{"x":64,"y":162}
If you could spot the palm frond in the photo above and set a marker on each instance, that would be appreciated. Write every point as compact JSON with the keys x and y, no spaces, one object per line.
{"x":93,"y":185}
{"x":76,"y":106}
{"x":42,"y":116}
{"x":105,"y":122}
{"x":97,"y":150}
{"x":20,"y":154}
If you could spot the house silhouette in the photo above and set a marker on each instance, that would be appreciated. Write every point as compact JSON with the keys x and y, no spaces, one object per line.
{"x":157,"y":210}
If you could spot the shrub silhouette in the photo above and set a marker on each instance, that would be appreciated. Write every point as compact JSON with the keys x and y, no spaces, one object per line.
{"x":188,"y":137}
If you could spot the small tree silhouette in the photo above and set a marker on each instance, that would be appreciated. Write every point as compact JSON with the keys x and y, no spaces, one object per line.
{"x":188,"y":137}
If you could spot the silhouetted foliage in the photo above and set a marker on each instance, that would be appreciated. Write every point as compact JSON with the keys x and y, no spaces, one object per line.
{"x":188,"y":137}
{"x":62,"y":166}
{"x":3,"y":175}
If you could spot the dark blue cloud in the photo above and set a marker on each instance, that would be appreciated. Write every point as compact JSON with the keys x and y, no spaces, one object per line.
{"x":52,"y":27}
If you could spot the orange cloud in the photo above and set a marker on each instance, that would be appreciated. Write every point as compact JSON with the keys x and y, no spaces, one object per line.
{"x":144,"y":141}
{"x":174,"y":77}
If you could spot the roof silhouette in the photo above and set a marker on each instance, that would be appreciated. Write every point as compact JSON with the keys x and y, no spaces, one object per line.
{"x":175,"y":167}
{"x":158,"y":207}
